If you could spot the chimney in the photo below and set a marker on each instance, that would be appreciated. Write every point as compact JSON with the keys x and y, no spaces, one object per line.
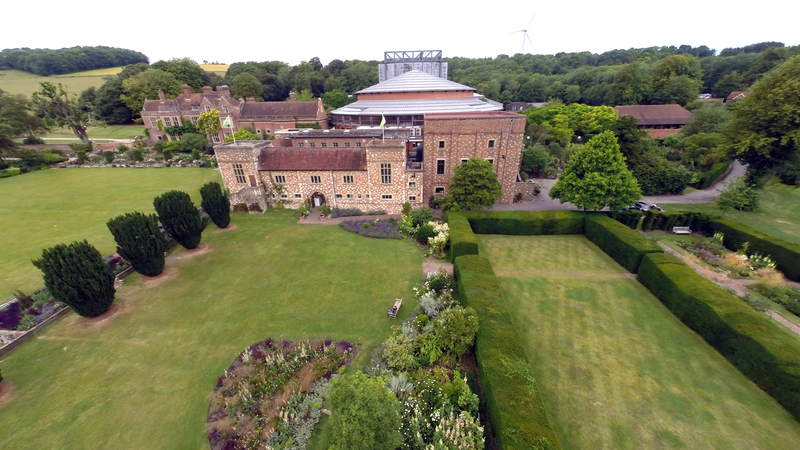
{"x":161,"y":95}
{"x":207,"y":89}
{"x":187,"y":91}
{"x":224,"y":91}
{"x":251,"y":99}
{"x":292,"y":97}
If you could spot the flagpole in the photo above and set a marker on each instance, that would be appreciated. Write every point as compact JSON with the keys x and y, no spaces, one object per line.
{"x":230,"y":122}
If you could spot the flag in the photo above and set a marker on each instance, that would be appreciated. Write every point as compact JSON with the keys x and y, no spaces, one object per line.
{"x":227,"y":122}
{"x":383,"y":122}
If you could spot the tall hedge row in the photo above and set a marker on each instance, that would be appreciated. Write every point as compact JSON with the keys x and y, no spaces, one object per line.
{"x":711,"y":175}
{"x":697,"y":221}
{"x":630,"y":219}
{"x":762,"y":352}
{"x":512,"y":396}
{"x":626,"y":246}
{"x":526,"y":223}
{"x":785,"y":254}
{"x":462,"y":240}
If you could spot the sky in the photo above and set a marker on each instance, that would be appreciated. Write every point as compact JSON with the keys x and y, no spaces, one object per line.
{"x":295,"y":31}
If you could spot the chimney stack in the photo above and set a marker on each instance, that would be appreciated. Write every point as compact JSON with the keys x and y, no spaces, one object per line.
{"x":224,"y":90}
{"x":251,"y":99}
{"x":207,"y":90}
{"x":161,"y":95}
{"x":187,"y":91}
{"x":292,"y":96}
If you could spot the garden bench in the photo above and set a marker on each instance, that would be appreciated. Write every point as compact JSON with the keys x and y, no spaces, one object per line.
{"x":681,"y":230}
{"x":395,"y":308}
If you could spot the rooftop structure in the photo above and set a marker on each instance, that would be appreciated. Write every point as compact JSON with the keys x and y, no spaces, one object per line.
{"x":659,"y":121}
{"x":397,"y":63}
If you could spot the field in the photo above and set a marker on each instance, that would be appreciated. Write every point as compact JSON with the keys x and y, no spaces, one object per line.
{"x":92,"y":73}
{"x":778,"y":213}
{"x":18,"y":82}
{"x":48,"y":207}
{"x":111,"y":131}
{"x":142,"y":378}
{"x":616,"y":368}
{"x":220,"y":68}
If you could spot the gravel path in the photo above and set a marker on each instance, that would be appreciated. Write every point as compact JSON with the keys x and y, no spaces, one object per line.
{"x":784,"y":321}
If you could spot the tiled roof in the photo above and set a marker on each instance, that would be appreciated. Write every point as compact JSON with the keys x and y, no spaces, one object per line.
{"x":415,"y":81}
{"x":285,"y":109}
{"x":662,"y":133}
{"x":415,"y":107}
{"x":312,"y":159}
{"x":161,"y":106}
{"x":656,"y":114}
{"x":736,"y":95}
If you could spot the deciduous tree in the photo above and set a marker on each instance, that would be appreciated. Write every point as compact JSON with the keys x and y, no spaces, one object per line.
{"x":145,"y":86}
{"x":16,"y":118}
{"x":475,"y":185}
{"x":243,"y":135}
{"x":140,"y":241}
{"x":52,"y":101}
{"x":246,"y":85}
{"x":596,"y":176}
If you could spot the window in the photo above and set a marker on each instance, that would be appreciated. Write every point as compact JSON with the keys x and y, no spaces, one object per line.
{"x":324,"y":144}
{"x":300,"y":144}
{"x":335,"y":144}
{"x":195,"y":107}
{"x":176,"y":121}
{"x":367,"y":195}
{"x":491,"y":143}
{"x":412,"y":198}
{"x":438,"y":190}
{"x":284,"y":195}
{"x":412,"y":184}
{"x":439,"y":167}
{"x":258,"y":131}
{"x":347,"y":144}
{"x":226,"y":134}
{"x":338,"y":195}
{"x":386,"y":174}
{"x":225,"y":109}
{"x":358,"y":144}
{"x":154,"y":121}
{"x":312,"y":144}
{"x":491,"y":161}
{"x":281,"y":179}
{"x":463,"y":160}
{"x":215,"y":137}
{"x":348,"y":179}
{"x":194,"y":120}
{"x":441,"y":144}
{"x":298,"y":195}
{"x":315,"y":179}
{"x":238,"y":172}
{"x":208,"y":108}
{"x":167,"y":122}
{"x":386,"y":197}
{"x":350,"y":196}
{"x":359,"y":196}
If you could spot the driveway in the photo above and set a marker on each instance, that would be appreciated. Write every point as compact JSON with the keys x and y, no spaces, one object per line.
{"x":543,"y":200}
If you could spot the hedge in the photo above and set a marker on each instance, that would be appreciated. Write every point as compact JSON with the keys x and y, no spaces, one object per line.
{"x":708,"y":177}
{"x":511,"y":394}
{"x":630,"y":219}
{"x":785,"y":254}
{"x":462,"y":240}
{"x":765,"y":354}
{"x":526,"y":223}
{"x":697,"y":221}
{"x":626,"y":246}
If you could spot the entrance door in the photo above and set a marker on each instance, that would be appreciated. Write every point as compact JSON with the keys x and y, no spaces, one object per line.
{"x":317,"y":200}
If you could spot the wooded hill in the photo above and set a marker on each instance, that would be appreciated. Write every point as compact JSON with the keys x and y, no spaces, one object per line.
{"x":43,"y":61}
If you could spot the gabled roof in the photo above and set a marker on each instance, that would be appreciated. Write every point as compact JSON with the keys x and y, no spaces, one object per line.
{"x":735,"y":96}
{"x":161,"y":106}
{"x":313,"y":159}
{"x":656,"y":114}
{"x":286,"y":109}
{"x":415,"y":81}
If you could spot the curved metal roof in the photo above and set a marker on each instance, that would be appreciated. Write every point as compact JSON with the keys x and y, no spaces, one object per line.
{"x":416,"y":107}
{"x":415,"y":81}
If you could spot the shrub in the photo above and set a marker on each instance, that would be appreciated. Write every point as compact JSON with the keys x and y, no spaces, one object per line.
{"x":506,"y":377}
{"x":108,"y":156}
{"x":406,"y":208}
{"x":455,"y":330}
{"x":365,"y":414}
{"x":421,"y":215}
{"x":138,"y":155}
{"x":706,"y":179}
{"x":28,"y":321}
{"x":23,"y":300}
{"x":626,"y":246}
{"x":13,"y":171}
{"x":82,"y":155}
{"x":630,"y":219}
{"x":424,"y":232}
{"x":462,"y":240}
{"x":167,"y":154}
{"x":764,"y":353}
{"x":655,"y":220}
{"x":216,"y":204}
{"x":180,"y":218}
{"x":790,"y":177}
{"x":785,"y":254}
{"x":77,"y":275}
{"x":526,"y":223}
{"x":140,"y":242}
{"x":738,"y":195}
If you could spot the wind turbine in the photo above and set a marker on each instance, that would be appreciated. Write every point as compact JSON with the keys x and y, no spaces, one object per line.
{"x":524,"y":32}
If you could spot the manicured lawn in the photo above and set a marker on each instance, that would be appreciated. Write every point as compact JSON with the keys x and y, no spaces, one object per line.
{"x":142,"y":379}
{"x":111,"y":131}
{"x":778,"y":213}
{"x":18,"y":82}
{"x":48,"y":207}
{"x":616,"y":368}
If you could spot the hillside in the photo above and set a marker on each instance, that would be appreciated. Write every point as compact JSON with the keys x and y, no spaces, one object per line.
{"x":17,"y":82}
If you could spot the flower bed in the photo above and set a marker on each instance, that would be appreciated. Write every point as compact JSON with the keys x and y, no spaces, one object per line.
{"x":272,"y":394}
{"x":21,"y":315}
{"x":347,"y":212}
{"x":381,"y":229}
{"x":733,"y":264}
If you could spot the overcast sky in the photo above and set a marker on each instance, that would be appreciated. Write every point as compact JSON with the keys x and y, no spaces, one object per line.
{"x":294,"y":31}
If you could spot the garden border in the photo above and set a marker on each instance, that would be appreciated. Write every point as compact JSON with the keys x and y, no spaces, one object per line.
{"x":6,"y":349}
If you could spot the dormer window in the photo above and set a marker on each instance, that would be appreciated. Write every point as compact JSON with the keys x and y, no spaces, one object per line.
{"x":225,"y":109}
{"x":195,"y":107}
{"x":208,"y":108}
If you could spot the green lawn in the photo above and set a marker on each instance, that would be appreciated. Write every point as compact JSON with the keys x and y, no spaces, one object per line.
{"x":142,"y":379}
{"x":616,"y":368}
{"x":778,"y":213}
{"x":111,"y":131}
{"x":48,"y":207}
{"x":18,"y":82}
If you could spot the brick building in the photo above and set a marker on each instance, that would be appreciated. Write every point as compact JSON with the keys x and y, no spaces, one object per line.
{"x":265,"y":117}
{"x":659,"y":121}
{"x":376,"y":173}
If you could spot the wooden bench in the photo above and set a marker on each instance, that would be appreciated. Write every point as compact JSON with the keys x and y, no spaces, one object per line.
{"x":681,"y":230}
{"x":393,"y":312}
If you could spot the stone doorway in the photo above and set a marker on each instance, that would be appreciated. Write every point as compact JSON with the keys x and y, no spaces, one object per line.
{"x":317,"y":199}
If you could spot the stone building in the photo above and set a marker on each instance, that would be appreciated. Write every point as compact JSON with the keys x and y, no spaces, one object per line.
{"x":377,"y":173}
{"x":265,"y":117}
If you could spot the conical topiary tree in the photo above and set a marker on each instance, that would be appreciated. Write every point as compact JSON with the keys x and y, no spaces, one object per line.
{"x":140,"y":242}
{"x":180,"y":218}
{"x":77,"y":275}
{"x":216,"y":204}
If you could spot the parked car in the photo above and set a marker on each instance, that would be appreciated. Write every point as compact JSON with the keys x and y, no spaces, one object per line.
{"x":656,"y":207}
{"x":642,"y":206}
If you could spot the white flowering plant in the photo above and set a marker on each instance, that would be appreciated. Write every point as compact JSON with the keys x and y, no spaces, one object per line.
{"x":440,"y":239}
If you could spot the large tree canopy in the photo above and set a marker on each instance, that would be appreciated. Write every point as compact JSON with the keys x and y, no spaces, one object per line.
{"x":475,"y":185}
{"x":52,"y":101}
{"x":16,"y":118}
{"x":764,"y":130}
{"x":246,"y":85}
{"x":185,"y":71}
{"x":596,"y":176}
{"x":145,"y":86}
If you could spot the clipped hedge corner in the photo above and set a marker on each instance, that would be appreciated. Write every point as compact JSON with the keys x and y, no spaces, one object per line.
{"x":626,"y":246}
{"x":462,"y":240}
{"x":526,"y":223}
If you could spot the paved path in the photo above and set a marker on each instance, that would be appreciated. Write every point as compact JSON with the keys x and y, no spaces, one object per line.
{"x":315,"y":219}
{"x":784,"y":321}
{"x":543,"y":200}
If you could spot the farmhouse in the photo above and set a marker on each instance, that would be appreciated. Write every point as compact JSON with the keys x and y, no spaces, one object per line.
{"x":358,"y":169}
{"x":659,"y":121}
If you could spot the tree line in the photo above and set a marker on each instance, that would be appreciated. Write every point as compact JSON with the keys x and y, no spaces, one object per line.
{"x":43,"y":61}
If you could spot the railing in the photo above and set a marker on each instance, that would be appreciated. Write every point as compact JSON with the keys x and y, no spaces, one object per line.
{"x":415,"y":166}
